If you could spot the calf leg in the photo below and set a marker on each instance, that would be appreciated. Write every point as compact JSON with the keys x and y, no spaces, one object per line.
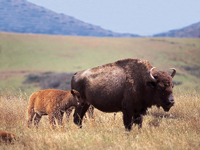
{"x":68,"y":113}
{"x":59,"y":117}
{"x":52,"y":120}
{"x":37,"y":120}
{"x":30,"y":118}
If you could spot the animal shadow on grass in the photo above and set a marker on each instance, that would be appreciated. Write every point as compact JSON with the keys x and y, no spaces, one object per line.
{"x":158,"y":116}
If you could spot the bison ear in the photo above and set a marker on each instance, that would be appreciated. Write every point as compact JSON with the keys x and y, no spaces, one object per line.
{"x":151,"y":84}
{"x":72,"y":91}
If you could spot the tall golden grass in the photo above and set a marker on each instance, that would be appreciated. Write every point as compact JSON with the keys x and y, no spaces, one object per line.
{"x":177,"y":129}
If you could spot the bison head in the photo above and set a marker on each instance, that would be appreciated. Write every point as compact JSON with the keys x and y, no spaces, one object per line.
{"x":161,"y":87}
{"x":77,"y":98}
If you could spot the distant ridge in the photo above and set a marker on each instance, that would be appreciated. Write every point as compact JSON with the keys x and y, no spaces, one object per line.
{"x":22,"y":16}
{"x":192,"y":31}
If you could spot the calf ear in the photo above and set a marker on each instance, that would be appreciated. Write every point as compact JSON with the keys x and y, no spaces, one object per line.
{"x":72,"y":91}
{"x":151,"y":84}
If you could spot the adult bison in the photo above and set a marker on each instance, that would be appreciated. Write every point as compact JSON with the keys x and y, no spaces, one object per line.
{"x":128,"y":85}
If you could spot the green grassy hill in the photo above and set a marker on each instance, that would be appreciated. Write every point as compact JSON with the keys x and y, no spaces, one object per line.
{"x":22,"y":54}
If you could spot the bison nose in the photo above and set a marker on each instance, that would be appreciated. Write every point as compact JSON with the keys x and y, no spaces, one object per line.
{"x":171,"y":100}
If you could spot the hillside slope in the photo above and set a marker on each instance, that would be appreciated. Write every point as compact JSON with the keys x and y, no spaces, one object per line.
{"x":192,"y":31}
{"x":24,"y":54}
{"x":24,"y":17}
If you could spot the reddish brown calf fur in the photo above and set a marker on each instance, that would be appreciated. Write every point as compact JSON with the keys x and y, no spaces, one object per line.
{"x":53,"y":103}
{"x":7,"y":137}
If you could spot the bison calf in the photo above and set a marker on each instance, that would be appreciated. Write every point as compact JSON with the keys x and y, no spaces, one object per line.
{"x":7,"y":137}
{"x":53,"y":103}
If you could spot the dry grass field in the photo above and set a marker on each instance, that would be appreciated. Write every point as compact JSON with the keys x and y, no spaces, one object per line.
{"x":25,"y":54}
{"x":177,"y":129}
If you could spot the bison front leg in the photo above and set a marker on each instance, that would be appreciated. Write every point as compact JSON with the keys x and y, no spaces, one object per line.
{"x":79,"y":113}
{"x":138,"y":120}
{"x":127,"y":118}
{"x":37,"y":120}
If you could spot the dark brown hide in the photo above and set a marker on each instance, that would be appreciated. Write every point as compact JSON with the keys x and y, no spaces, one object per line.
{"x":125,"y":86}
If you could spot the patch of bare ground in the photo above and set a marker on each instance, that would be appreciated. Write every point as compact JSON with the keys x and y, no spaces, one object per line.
{"x":6,"y":74}
{"x":193,"y":70}
{"x":50,"y":80}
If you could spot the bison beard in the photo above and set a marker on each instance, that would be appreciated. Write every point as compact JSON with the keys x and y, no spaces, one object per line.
{"x":129,"y":86}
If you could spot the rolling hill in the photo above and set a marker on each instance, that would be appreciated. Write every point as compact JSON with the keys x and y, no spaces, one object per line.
{"x":35,"y":56}
{"x":22,"y":16}
{"x":192,"y":31}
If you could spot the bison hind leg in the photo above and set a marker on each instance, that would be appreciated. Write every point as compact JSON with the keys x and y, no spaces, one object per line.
{"x":37,"y":120}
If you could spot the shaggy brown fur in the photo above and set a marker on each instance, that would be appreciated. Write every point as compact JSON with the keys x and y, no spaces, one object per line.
{"x":53,"y":103}
{"x":125,"y":85}
{"x":7,"y":137}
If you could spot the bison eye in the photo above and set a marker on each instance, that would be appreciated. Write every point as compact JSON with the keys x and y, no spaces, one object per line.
{"x":151,"y":84}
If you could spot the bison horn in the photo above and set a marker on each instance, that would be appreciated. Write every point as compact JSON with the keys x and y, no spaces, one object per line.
{"x":150,"y":74}
{"x":174,"y":72}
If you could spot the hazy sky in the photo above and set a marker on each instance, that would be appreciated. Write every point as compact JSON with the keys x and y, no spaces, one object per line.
{"x":143,"y":17}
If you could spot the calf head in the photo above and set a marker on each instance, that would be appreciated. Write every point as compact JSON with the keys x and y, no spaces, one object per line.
{"x":77,"y":100}
{"x":161,"y":87}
